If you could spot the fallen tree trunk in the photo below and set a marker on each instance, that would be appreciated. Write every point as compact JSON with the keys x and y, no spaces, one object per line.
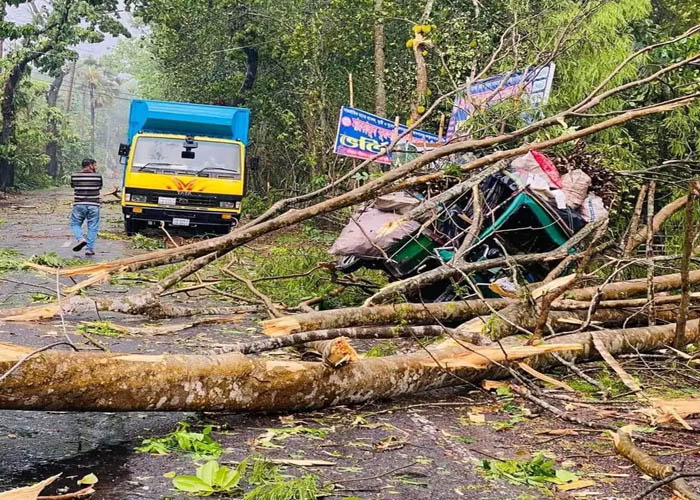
{"x":568,"y":305}
{"x":624,"y":289}
{"x":515,"y":319}
{"x":394,"y":314}
{"x":376,"y":332}
{"x":233,"y":382}
{"x":658,"y":221}
{"x":648,"y":465}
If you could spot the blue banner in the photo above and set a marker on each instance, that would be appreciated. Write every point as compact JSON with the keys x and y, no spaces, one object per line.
{"x":535,"y":83}
{"x":363,"y":135}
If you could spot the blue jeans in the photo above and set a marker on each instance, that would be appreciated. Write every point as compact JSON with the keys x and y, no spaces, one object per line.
{"x":80,"y":214}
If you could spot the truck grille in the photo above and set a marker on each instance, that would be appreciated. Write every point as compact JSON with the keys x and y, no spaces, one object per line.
{"x":190,"y":200}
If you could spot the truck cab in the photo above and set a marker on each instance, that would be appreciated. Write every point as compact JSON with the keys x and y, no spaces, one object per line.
{"x":184,"y":166}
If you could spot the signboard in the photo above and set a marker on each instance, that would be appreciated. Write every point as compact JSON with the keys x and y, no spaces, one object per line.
{"x":535,"y":83}
{"x":363,"y":135}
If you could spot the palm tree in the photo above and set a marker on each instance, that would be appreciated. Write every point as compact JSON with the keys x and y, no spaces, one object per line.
{"x":102,"y":87}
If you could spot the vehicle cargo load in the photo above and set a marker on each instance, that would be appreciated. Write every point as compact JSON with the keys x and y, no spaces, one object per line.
{"x":190,"y":119}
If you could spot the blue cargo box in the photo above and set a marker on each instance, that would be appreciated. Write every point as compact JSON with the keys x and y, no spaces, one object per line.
{"x":190,"y":119}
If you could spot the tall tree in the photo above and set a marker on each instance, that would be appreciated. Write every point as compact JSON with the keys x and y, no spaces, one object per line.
{"x":46,"y":44}
{"x":53,"y":167}
{"x":102,"y":87}
{"x":379,"y":59}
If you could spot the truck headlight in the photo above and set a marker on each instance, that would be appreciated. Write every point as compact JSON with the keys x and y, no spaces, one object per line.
{"x":139,"y":198}
{"x":227,"y":204}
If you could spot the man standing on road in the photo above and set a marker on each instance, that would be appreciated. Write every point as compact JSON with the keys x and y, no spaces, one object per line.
{"x":86,"y":206}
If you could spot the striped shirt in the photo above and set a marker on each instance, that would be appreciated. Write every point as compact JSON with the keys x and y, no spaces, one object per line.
{"x":87,"y":188}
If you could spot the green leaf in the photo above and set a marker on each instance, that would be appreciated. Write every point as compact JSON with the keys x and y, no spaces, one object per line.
{"x":207,"y":472}
{"x":191,"y":484}
{"x":90,"y":479}
{"x":566,"y":476}
{"x":223,"y":477}
{"x":170,"y":474}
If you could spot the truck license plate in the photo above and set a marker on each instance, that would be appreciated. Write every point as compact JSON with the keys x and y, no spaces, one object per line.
{"x":162,"y":200}
{"x":181,"y":222}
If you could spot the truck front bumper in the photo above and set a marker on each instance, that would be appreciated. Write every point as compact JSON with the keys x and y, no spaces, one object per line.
{"x":180,"y":217}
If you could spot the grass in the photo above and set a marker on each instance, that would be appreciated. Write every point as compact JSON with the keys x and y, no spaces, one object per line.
{"x":262,"y":479}
{"x":106,"y":235}
{"x":50,"y":259}
{"x":539,"y":471}
{"x":198,"y":444}
{"x":141,"y":242}
{"x":611,"y":381}
{"x":381,"y":349}
{"x":103,"y":328}
{"x":10,"y":260}
{"x":294,"y":253}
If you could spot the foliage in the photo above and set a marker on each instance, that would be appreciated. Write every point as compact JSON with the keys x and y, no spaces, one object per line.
{"x":198,"y":444}
{"x":610,"y":381}
{"x":103,"y":328}
{"x":292,"y":254}
{"x":268,"y":483}
{"x":536,"y":472}
{"x":211,"y":478}
{"x":141,"y":242}
{"x":50,"y":259}
{"x":106,"y":235}
{"x":10,"y":260}
{"x":272,"y":436}
{"x":43,"y":298}
{"x":46,"y":44}
{"x":381,"y":349}
{"x":302,"y":488}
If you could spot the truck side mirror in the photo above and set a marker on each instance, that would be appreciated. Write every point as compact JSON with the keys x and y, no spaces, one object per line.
{"x":124,"y":149}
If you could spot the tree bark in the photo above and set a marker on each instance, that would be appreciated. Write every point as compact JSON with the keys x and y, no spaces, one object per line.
{"x":515,"y":319}
{"x":379,"y":60}
{"x":92,"y":119}
{"x":625,"y":289}
{"x":376,"y":332}
{"x":648,"y":465}
{"x":685,"y":265}
{"x":8,"y":110}
{"x":252,"y":58}
{"x":659,"y":219}
{"x":651,"y":196}
{"x":233,"y":382}
{"x":414,"y":314}
{"x":634,"y":221}
{"x":53,"y":167}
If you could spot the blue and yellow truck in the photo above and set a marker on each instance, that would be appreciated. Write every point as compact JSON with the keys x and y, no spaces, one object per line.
{"x":184,"y":165}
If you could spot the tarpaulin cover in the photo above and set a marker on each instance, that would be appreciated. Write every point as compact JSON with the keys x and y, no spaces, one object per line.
{"x":593,"y":208}
{"x":399,"y":202}
{"x":367,"y":241}
{"x":533,"y":164}
{"x":575,"y":185}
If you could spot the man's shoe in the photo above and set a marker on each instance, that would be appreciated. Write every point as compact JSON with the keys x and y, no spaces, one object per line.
{"x":89,"y":253}
{"x":79,"y":246}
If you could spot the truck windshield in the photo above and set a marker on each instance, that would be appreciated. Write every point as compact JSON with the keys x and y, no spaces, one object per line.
{"x":162,"y":155}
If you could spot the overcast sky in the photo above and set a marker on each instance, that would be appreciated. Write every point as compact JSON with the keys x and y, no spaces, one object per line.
{"x":23,"y":14}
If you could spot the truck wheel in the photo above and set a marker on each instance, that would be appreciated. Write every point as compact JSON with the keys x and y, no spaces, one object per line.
{"x":348,"y":263}
{"x":131,"y":227}
{"x":222,"y":229}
